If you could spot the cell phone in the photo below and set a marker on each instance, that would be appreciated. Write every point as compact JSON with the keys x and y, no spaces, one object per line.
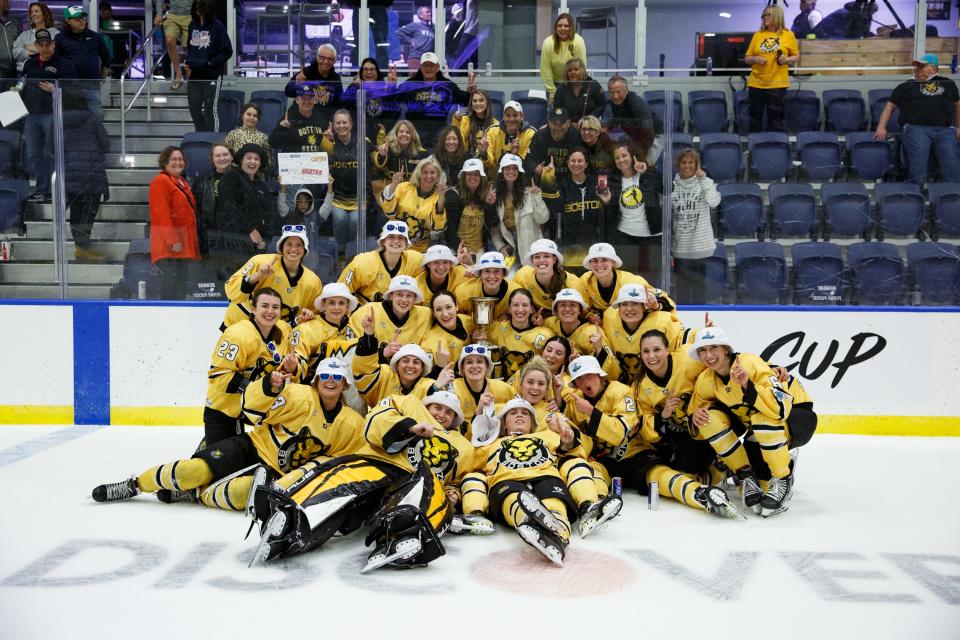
{"x":602,"y":183}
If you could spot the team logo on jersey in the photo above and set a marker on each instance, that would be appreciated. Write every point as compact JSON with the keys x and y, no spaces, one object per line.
{"x":523,"y":452}
{"x":770,"y":44}
{"x":631,"y":197}
{"x":513,"y":361}
{"x":931,"y":89}
{"x":374,"y":107}
{"x":629,"y":365}
{"x":435,"y":452}
{"x":299,"y":450}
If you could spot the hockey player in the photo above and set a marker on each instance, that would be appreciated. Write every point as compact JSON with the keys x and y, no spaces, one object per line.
{"x":603,"y":278}
{"x":519,"y":337}
{"x":543,"y":275}
{"x":441,"y":271}
{"x":475,"y":389}
{"x":293,"y":424}
{"x":282,"y":271}
{"x":369,"y":274}
{"x":569,"y":320}
{"x":491,"y":283}
{"x":755,"y":403}
{"x":398,"y":320}
{"x":449,"y":332}
{"x":326,"y":334}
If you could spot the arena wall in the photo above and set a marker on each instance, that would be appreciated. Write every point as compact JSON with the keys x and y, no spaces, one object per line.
{"x":885,"y":371}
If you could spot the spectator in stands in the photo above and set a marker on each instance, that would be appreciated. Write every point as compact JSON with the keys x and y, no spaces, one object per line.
{"x":929,"y":117}
{"x":176,"y":24}
{"x":302,"y":127}
{"x":474,"y":119}
{"x":247,"y":201}
{"x":579,"y":94}
{"x":466,"y":208}
{"x":430,"y":95}
{"x":629,"y":113}
{"x":772,"y":49}
{"x":10,"y":32}
{"x":86,"y":50}
{"x":340,"y":144}
{"x":379,"y":24}
{"x":323,"y":79}
{"x":510,"y":136}
{"x":25,"y":46}
{"x":208,"y":49}
{"x":379,"y":107}
{"x":565,"y":43}
{"x":39,"y":72}
{"x":417,"y":38}
{"x":552,"y":143}
{"x":174,"y":243}
{"x":599,"y":147}
{"x":636,"y":189}
{"x":420,"y":202}
{"x":451,"y":153}
{"x":400,"y":152}
{"x":807,"y":20}
{"x":520,"y":210}
{"x":224,"y":247}
{"x":85,"y":172}
{"x":693,"y":240}
{"x":247,"y":133}
{"x":578,"y":202}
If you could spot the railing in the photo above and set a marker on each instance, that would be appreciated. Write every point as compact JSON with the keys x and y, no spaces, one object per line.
{"x":148,"y":66}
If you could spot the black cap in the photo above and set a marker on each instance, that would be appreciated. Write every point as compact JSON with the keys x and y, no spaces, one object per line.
{"x":43,"y":36}
{"x":559,"y":114}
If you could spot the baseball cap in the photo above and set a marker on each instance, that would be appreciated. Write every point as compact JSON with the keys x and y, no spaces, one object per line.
{"x":559,"y":114}
{"x":429,"y":56}
{"x":928,"y":58}
{"x":74,"y":11}
{"x":43,"y":36}
{"x":513,"y":104}
{"x":305,"y":90}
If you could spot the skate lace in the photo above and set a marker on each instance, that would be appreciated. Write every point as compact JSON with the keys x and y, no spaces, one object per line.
{"x":118,"y":490}
{"x":779,"y":487}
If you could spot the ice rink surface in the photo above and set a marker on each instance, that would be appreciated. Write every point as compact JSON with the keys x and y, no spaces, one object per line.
{"x":870,"y":548}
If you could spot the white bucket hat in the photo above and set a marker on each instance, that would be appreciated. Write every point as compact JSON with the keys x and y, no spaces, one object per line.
{"x":509,"y":159}
{"x":473,"y":164}
{"x":491,"y":260}
{"x":333,"y":367}
{"x":584,"y":365}
{"x":513,"y":104}
{"x":439,"y":252}
{"x":404,"y":283}
{"x":413,"y":350}
{"x":630,"y":293}
{"x":476,"y":350}
{"x":709,"y":337}
{"x":294,"y":231}
{"x":335,"y":290}
{"x":517,"y":403}
{"x":394,"y":228}
{"x":449,"y":400}
{"x":602,"y":250}
{"x":543,"y":246}
{"x":569,"y":295}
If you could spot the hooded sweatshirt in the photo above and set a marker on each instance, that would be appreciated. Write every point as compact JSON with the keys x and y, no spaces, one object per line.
{"x":296,"y":216}
{"x":692,"y":231}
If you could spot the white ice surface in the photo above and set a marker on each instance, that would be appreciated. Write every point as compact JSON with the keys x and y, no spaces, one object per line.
{"x":870,"y":548}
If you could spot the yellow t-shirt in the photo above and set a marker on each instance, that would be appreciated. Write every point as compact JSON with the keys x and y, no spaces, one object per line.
{"x":771,"y":75}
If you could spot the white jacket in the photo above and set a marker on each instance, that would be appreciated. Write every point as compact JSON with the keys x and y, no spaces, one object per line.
{"x":692,"y":232}
{"x":529,"y":218}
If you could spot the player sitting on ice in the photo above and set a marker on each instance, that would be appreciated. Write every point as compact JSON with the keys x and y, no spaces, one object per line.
{"x":293,"y":424}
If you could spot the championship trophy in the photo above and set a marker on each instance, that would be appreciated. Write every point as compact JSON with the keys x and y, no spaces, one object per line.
{"x":483,"y":309}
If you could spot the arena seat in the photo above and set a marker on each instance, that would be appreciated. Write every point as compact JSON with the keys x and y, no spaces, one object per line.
{"x":801,"y":111}
{"x":708,"y":111}
{"x":681,"y":141}
{"x":13,"y":198}
{"x":273,"y":106}
{"x":770,"y":157}
{"x":935,"y":268}
{"x":793,"y":210}
{"x":818,"y":273}
{"x":945,"y":208}
{"x":196,"y":151}
{"x":878,"y":100}
{"x":900,"y":208}
{"x":741,"y":112}
{"x":534,"y":108}
{"x":721,"y":156}
{"x":740,"y":213}
{"x":846,"y":210}
{"x":819,"y":153}
{"x":655,"y":101}
{"x":877,"y":272}
{"x":761,"y":272}
{"x":716,"y":280}
{"x":844,"y":110}
{"x":228,"y":109}
{"x":10,"y":153}
{"x":869,"y":159}
{"x":497,"y":100}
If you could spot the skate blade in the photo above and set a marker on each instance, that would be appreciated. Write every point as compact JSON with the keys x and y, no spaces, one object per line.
{"x":273,"y":527}
{"x":535,"y":509}
{"x":259,"y":479}
{"x":730,"y":512}
{"x":459,"y":528}
{"x":609,"y":511}
{"x":769,"y":513}
{"x":404,"y":550}
{"x":532,"y":537}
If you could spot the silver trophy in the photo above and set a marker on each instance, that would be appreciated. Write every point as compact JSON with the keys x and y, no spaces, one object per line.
{"x":483,"y":309}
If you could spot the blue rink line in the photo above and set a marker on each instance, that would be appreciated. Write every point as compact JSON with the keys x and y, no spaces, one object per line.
{"x":43,"y":443}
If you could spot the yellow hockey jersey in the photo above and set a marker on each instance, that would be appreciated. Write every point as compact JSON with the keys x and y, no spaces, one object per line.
{"x":611,"y":424}
{"x":292,"y":428}
{"x":501,"y":392}
{"x":580,"y":340}
{"x":454,"y":341}
{"x":420,"y":213}
{"x":652,"y":392}
{"x":376,"y":381}
{"x":515,"y":346}
{"x":368,"y":277}
{"x":473,"y":288}
{"x":526,"y":277}
{"x":764,"y":401}
{"x":625,"y":344}
{"x":525,"y":457}
{"x":295,"y":293}
{"x":317,"y":339}
{"x":412,"y":329}
{"x":499,"y":143}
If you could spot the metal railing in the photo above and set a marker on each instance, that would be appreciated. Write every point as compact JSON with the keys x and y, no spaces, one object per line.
{"x":148,"y":66}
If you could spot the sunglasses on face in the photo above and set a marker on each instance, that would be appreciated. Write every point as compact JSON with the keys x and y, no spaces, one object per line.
{"x":336,"y":377}
{"x":479,"y":350}
{"x":272,"y":348}
{"x":396,"y":226}
{"x":293,"y":228}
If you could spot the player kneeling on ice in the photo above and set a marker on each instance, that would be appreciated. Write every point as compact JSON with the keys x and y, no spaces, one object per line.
{"x":293,"y":424}
{"x":738,"y":394}
{"x":395,"y":483}
{"x":526,"y":489}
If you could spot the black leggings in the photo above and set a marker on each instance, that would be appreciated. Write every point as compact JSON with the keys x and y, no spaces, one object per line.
{"x":770,"y":100}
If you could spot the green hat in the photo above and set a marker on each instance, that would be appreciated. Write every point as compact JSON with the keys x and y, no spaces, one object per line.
{"x":76,"y":11}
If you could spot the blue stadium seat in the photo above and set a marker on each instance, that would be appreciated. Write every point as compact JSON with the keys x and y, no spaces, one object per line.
{"x":324,"y":256}
{"x":534,"y":109}
{"x":818,"y":273}
{"x":228,"y":109}
{"x":716,"y":282}
{"x":721,"y":155}
{"x":681,"y":141}
{"x":770,"y":157}
{"x":901,"y":208}
{"x":846,"y":210}
{"x":935,"y":268}
{"x":741,"y":112}
{"x":761,"y":272}
{"x":945,"y":208}
{"x":878,"y":100}
{"x":793,"y":210}
{"x":497,"y":100}
{"x":137,"y":267}
{"x":10,"y":153}
{"x":273,"y":106}
{"x":801,"y":111}
{"x":869,"y":159}
{"x":878,"y":272}
{"x":845,"y":110}
{"x":708,"y":111}
{"x":655,"y":101}
{"x":740,"y":213}
{"x":196,"y":151}
{"x":819,"y":153}
{"x":13,"y":198}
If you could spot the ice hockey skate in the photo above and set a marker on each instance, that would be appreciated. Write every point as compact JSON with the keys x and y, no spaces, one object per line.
{"x":779,"y":492}
{"x":471,"y":523}
{"x":596,"y":515}
{"x":272,"y":528}
{"x":169,"y":496}
{"x":546,"y":542}
{"x":715,"y":501}
{"x":750,"y":489}
{"x":392,"y":552}
{"x":123,"y":490}
{"x":531,"y":505}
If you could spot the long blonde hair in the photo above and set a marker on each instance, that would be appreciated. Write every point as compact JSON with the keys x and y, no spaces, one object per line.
{"x":415,"y":145}
{"x":776,"y":17}
{"x":415,"y":174}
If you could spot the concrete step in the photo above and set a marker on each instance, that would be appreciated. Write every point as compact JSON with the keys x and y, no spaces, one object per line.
{"x":29,"y":250}
{"x":109,"y":211}
{"x":44,"y":273}
{"x":157,"y":114}
{"x":151,"y":129}
{"x":134,"y":159}
{"x":52,"y":291}
{"x":132,"y":177}
{"x":157,"y":100}
{"x":145,"y":145}
{"x":133,"y":193}
{"x":43,"y":230}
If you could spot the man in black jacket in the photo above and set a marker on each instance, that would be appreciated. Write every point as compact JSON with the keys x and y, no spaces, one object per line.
{"x":553,"y":141}
{"x":430,"y":96}
{"x":88,"y":53}
{"x":323,"y":79}
{"x":627,"y":111}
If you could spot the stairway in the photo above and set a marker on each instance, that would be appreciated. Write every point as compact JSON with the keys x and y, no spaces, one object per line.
{"x":31,"y":272}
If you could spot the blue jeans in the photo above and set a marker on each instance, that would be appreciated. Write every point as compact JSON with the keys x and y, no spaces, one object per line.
{"x":92,"y":95}
{"x":917,"y":141}
{"x":344,"y":226}
{"x":38,"y":133}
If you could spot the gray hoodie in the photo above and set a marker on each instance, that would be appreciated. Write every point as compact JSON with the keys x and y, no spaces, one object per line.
{"x":10,"y":31}
{"x":692,"y":232}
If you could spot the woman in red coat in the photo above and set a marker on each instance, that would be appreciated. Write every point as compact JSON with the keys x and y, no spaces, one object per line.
{"x":173,"y":224}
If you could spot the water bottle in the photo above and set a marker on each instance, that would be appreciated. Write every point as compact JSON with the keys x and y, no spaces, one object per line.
{"x":953,"y":65}
{"x":142,"y":290}
{"x":709,"y":65}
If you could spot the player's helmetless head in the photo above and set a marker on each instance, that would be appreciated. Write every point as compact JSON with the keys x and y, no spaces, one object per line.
{"x":409,"y":369}
{"x":568,"y":310}
{"x":715,"y":357}
{"x":402,"y":301}
{"x":654,"y":350}
{"x":474,"y":367}
{"x":492,"y":279}
{"x":293,"y":249}
{"x":534,"y":385}
{"x":442,"y":414}
{"x":555,"y":354}
{"x":517,"y":421}
{"x":631,"y":311}
{"x":335,"y":308}
{"x":601,"y":266}
{"x":521,"y":306}
{"x":444,"y":309}
{"x":266,"y":307}
{"x":590,"y":384}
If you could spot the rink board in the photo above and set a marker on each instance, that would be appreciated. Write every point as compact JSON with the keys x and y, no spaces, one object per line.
{"x":879,"y":371}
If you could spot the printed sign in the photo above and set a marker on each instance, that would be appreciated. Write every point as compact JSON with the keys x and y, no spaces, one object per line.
{"x":303,"y":168}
